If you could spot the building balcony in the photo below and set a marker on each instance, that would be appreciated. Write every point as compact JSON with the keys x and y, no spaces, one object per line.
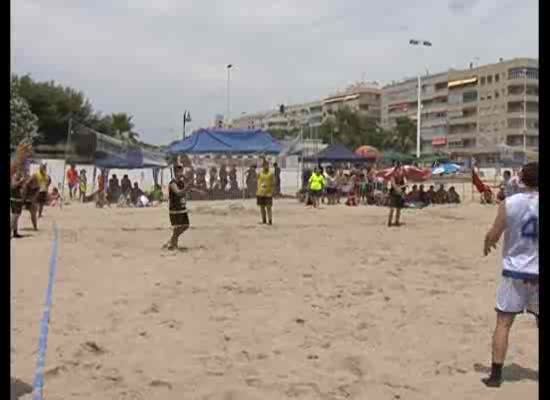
{"x":518,"y":97}
{"x":521,"y":114}
{"x":434,"y":122}
{"x":464,"y":120}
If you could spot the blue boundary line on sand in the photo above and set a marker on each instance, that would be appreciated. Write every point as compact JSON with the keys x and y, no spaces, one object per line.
{"x":43,"y":341}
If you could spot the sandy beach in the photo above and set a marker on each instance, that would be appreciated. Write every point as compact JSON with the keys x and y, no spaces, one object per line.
{"x":327,"y":304}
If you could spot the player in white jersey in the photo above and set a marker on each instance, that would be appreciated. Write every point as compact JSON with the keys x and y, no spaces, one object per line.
{"x":518,"y":219}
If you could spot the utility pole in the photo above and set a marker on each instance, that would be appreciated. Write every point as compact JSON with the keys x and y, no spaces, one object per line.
{"x":425,"y":43}
{"x":228,"y":113}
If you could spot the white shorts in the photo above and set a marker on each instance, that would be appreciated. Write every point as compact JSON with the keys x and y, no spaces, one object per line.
{"x":516,"y":296}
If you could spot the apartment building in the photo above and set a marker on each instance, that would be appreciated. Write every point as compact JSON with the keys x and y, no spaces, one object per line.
{"x":364,"y":97}
{"x":295,"y":116}
{"x":471,"y":112}
{"x":401,"y":100}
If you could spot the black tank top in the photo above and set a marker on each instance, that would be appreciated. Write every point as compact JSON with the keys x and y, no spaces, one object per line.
{"x":177,"y":202}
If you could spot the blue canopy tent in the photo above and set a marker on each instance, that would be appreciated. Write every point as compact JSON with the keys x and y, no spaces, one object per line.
{"x":227,"y":141}
{"x":336,"y":152}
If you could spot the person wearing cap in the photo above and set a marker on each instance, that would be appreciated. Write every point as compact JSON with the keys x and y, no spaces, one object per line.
{"x":44,"y":181}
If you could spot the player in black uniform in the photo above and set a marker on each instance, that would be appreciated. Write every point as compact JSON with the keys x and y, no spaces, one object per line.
{"x":397,"y":201}
{"x":177,"y":205}
{"x":16,"y":201}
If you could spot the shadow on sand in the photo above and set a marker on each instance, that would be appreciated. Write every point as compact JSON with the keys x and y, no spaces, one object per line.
{"x":511,"y":373}
{"x":19,"y":388}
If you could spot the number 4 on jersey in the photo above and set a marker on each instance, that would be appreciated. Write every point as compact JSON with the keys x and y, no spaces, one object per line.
{"x":530,"y":229}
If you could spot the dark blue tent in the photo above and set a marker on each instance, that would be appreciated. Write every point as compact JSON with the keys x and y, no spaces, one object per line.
{"x":335,"y":153}
{"x":228,"y":141}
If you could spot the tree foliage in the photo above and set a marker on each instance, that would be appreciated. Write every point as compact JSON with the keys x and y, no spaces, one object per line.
{"x":354,"y":129}
{"x":54,"y":104}
{"x":403,"y":137}
{"x":23,"y":123}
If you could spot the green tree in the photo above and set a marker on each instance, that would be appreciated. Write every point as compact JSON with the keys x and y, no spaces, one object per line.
{"x":54,"y":104}
{"x":122,"y":122}
{"x":23,"y":123}
{"x":353,"y":129}
{"x":403,"y":137}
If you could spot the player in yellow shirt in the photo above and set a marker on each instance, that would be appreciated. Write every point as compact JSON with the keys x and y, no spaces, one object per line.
{"x":264,"y":192}
{"x":316,"y":186}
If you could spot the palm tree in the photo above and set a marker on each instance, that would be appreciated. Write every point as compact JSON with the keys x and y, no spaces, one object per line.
{"x":122,"y":122}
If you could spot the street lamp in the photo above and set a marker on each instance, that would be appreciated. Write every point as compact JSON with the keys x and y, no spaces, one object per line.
{"x":229,"y":66}
{"x":186,"y":118}
{"x":425,"y":43}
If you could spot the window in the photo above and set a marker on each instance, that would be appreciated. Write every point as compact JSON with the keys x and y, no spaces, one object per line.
{"x":469,"y":96}
{"x":482,"y":81}
{"x":455,"y":98}
{"x":489,"y":79}
{"x":496,"y":94}
{"x":497,"y":76}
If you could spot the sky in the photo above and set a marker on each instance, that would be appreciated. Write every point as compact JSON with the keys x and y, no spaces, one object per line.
{"x":154,"y":59}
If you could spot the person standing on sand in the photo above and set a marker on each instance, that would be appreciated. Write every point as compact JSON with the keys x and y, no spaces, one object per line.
{"x":100,"y":196}
{"x":277,"y":171}
{"x":72,"y":179}
{"x":177,"y":205}
{"x":16,"y":201}
{"x":264,"y":193}
{"x":397,"y":183}
{"x":82,"y":185}
{"x":44,"y":181}
{"x":316,"y":186}
{"x":518,"y":219}
{"x":31,"y":189}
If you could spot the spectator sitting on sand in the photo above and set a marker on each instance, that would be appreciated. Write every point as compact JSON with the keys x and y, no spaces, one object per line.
{"x":441,"y":196}
{"x":113,"y":190}
{"x":413,"y":196}
{"x":156,"y":195}
{"x":54,"y":198}
{"x":430,"y":195}
{"x":135,"y":194}
{"x":422,"y":195}
{"x":453,"y":196}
